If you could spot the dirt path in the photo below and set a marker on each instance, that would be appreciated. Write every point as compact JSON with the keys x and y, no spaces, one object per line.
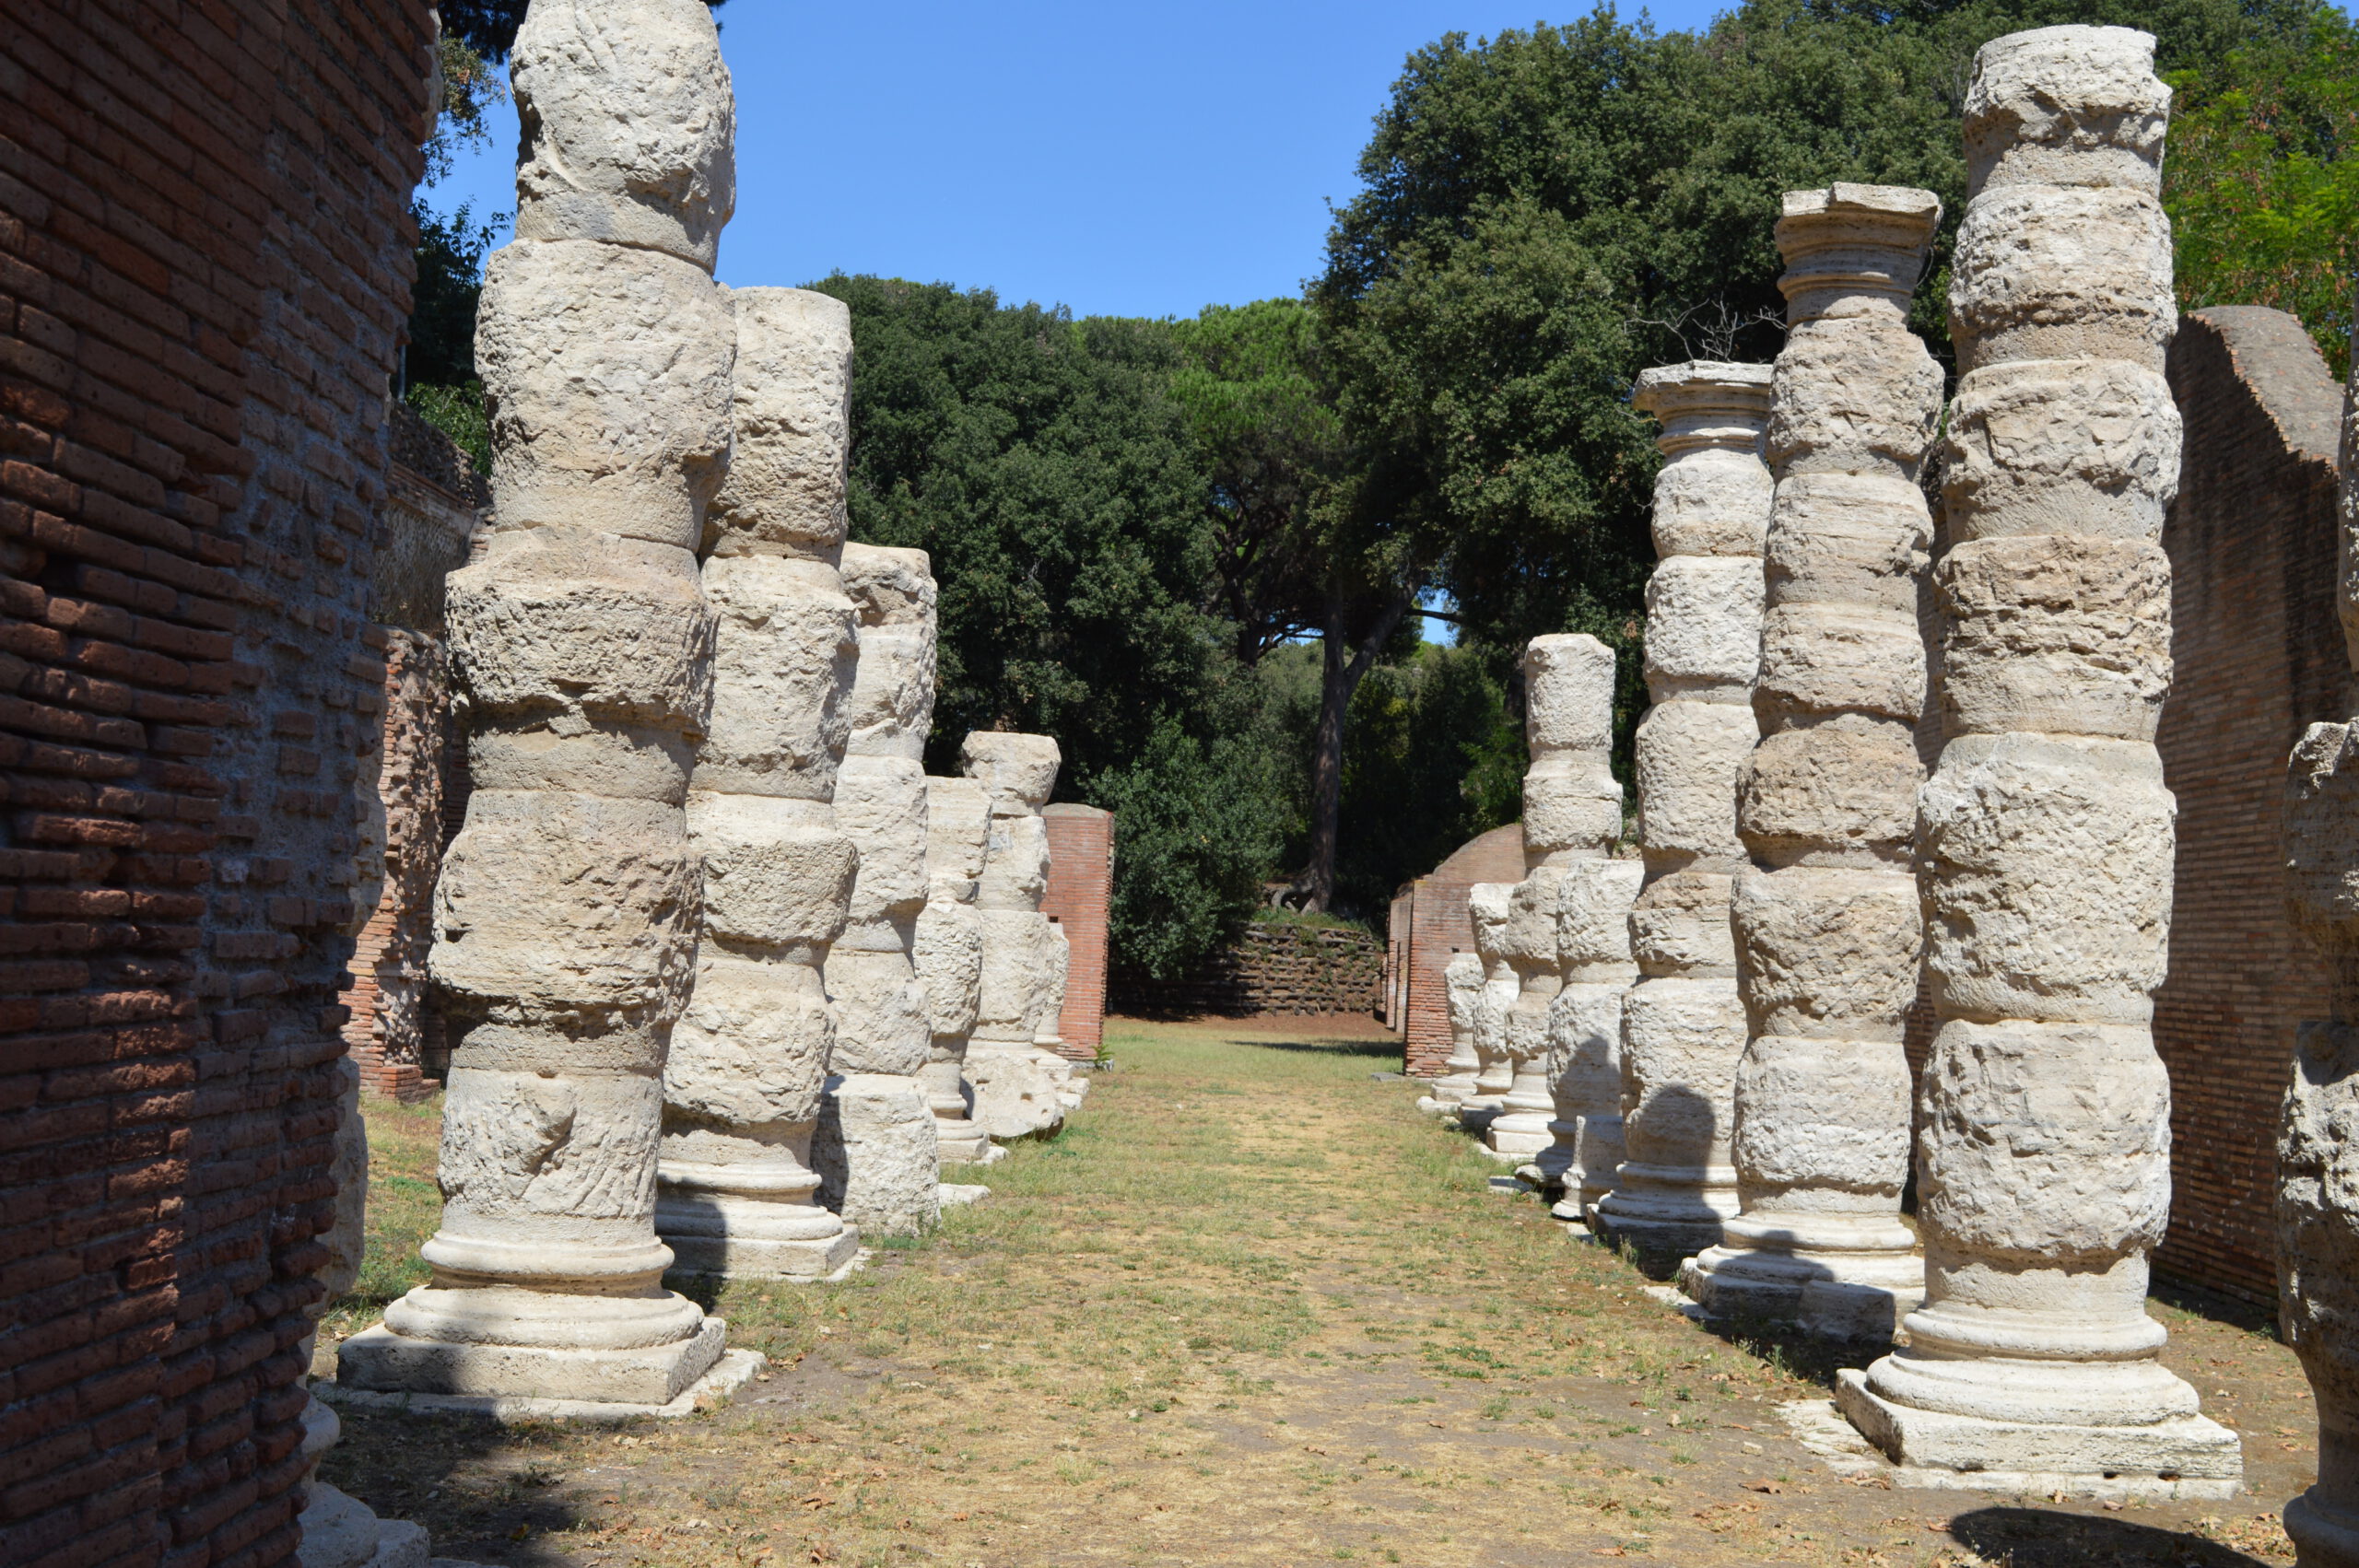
{"x":1251,"y":1308}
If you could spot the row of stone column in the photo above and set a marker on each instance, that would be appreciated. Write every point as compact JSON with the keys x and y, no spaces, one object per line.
{"x":1802,"y":873}
{"x":713,"y":942}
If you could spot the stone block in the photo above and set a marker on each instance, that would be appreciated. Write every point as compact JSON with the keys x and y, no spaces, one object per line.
{"x":877,"y":1156}
{"x":2086,"y":447}
{"x":1703,"y":624}
{"x":2055,"y":634}
{"x":2066,"y":106}
{"x":792,"y":396}
{"x":2050,"y":272}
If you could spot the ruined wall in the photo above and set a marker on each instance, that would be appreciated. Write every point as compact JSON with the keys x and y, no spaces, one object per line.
{"x":1441,"y":927}
{"x":2258,"y":655}
{"x":435,"y":502}
{"x":1273,"y":969}
{"x":1080,"y":899}
{"x":203,"y":268}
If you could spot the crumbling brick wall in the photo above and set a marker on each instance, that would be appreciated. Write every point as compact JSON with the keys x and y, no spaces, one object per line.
{"x":1441,"y":927}
{"x":204,"y":271}
{"x":2258,"y":655}
{"x":434,"y":506}
{"x":1273,"y":967}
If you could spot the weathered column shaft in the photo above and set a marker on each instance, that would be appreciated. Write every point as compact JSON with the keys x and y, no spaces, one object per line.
{"x":2317,"y":1153}
{"x":751,"y":1051}
{"x":1682,"y":1023}
{"x":1462,"y":993}
{"x":1019,"y":1088}
{"x":1490,"y":906}
{"x":877,"y":1146}
{"x":1572,"y":814}
{"x":2045,"y":833}
{"x":1828,"y":935}
{"x":949,"y":958}
{"x":565,"y":918}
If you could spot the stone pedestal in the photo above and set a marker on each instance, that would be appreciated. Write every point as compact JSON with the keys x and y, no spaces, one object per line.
{"x":1828,"y":930}
{"x":880,"y":1007}
{"x":565,"y":916}
{"x":949,"y":957}
{"x":2045,"y":833}
{"x":749,"y":1055}
{"x":1462,"y":992}
{"x":1021,"y":1090}
{"x":1683,"y":1022}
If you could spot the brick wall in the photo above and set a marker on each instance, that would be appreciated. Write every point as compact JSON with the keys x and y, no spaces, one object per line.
{"x":1439,"y":927}
{"x":2258,"y":655}
{"x":203,"y":268}
{"x":1274,"y":968}
{"x":1080,"y":896}
{"x":434,"y":506}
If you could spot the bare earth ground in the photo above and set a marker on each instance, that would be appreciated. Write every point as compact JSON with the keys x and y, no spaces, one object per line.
{"x":1250,"y":1308}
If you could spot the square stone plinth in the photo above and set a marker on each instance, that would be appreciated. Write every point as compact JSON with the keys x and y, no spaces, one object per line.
{"x":763,"y":1258}
{"x":378,"y":1360}
{"x":2189,"y":1457}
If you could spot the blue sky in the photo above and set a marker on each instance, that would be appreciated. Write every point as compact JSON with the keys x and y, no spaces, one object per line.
{"x":1124,"y":161}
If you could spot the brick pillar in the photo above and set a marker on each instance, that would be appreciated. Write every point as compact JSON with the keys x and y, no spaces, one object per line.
{"x":1081,"y":889}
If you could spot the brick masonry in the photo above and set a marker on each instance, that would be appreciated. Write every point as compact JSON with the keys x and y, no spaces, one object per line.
{"x":2258,"y":655}
{"x":1080,"y":897}
{"x":1274,"y":968}
{"x":1439,"y":927}
{"x":433,"y":512}
{"x":205,"y":254}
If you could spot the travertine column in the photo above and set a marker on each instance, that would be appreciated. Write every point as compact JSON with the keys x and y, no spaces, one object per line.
{"x":949,"y":957}
{"x":1490,"y":906}
{"x":1019,"y":1088}
{"x":1593,"y":903}
{"x":1828,"y":931}
{"x":2045,"y":833}
{"x":566,"y":918}
{"x":1682,"y":1023}
{"x":2317,"y":1139}
{"x":741,"y":1090}
{"x":1461,"y":980}
{"x":877,"y":1147}
{"x":1572,"y":814}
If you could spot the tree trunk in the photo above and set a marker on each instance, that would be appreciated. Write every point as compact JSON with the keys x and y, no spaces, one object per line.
{"x":1341,"y":671}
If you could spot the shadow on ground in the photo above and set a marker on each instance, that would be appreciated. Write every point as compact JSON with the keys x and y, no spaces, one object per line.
{"x":2041,"y":1537}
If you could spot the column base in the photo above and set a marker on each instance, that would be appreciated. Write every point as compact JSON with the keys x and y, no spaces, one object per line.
{"x":379,"y":1360}
{"x":2185,"y":1455}
{"x":1444,"y":1094}
{"x":2324,"y":1536}
{"x":879,"y":1163}
{"x":341,"y":1532}
{"x":1015,"y":1096}
{"x":1518,"y":1135}
{"x":790,"y":1261}
{"x":1837,"y":1292}
{"x":1663,"y":1209}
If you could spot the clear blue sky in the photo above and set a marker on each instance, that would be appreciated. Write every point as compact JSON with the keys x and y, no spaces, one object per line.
{"x":1137,"y":160}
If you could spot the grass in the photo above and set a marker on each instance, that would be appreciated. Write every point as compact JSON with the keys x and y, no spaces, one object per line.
{"x":1248,"y":1309}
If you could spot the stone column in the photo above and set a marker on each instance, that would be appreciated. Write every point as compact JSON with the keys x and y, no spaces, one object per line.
{"x":2045,"y":833}
{"x":565,"y":918}
{"x":1019,"y":1089}
{"x":741,"y":1090}
{"x":1593,"y":904}
{"x":2318,"y":1155}
{"x":1828,"y":935}
{"x":877,"y":1146}
{"x":1572,"y":814}
{"x":949,"y":957}
{"x":1461,"y":980}
{"x":1490,"y":906}
{"x":1682,"y":1023}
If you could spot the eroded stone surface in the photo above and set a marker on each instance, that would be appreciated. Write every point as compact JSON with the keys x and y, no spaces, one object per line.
{"x":1681,"y":1025}
{"x":1023,"y":1086}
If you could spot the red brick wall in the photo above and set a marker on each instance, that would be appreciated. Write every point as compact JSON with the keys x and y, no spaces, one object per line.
{"x":1080,"y":895}
{"x":203,"y":269}
{"x":2258,"y":656}
{"x":1439,"y":927}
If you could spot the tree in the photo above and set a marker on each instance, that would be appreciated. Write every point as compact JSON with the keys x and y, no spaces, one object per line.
{"x":489,"y":27}
{"x":2262,"y":179}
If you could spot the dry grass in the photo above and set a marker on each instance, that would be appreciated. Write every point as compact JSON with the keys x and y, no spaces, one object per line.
{"x":1250,"y":1308}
